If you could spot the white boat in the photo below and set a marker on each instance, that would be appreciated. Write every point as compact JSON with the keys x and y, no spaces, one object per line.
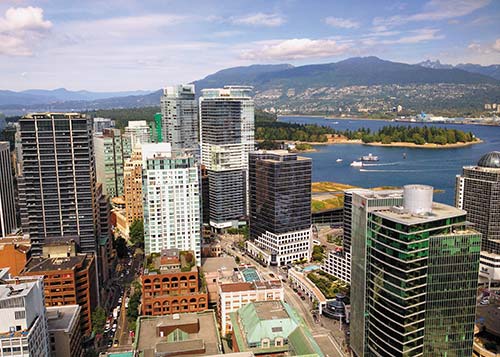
{"x":357,"y":164}
{"x":339,"y":160}
{"x":369,"y":157}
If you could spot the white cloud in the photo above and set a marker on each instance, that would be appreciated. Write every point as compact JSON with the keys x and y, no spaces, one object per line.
{"x":416,"y":36}
{"x":496,"y":45}
{"x":342,"y":23}
{"x":434,"y":10}
{"x":295,"y":49}
{"x":259,"y":19}
{"x":24,"y":19}
{"x":485,"y":48}
{"x":20,"y":29}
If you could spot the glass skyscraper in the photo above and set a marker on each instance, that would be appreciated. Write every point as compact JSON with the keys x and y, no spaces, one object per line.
{"x":420,"y":275}
{"x":179,"y":111}
{"x":280,"y":206}
{"x":226,"y":139}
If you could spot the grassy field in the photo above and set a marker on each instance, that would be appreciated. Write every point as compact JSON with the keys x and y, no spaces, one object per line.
{"x":330,"y":186}
{"x":329,"y":203}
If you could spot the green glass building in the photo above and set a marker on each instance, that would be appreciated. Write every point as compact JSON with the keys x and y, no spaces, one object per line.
{"x":420,"y":280}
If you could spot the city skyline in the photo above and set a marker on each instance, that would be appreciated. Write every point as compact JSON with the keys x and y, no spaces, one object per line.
{"x":127,"y":46}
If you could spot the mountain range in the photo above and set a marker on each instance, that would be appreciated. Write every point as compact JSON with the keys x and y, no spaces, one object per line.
{"x":349,"y":73}
{"x":492,"y":71}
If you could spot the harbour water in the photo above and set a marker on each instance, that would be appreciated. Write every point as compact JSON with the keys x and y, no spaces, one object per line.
{"x":435,"y":167}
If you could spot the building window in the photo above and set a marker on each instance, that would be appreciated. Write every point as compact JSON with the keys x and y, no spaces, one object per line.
{"x":19,"y":315}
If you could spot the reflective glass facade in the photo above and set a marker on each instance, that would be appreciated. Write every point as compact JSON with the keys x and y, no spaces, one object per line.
{"x":421,"y":281}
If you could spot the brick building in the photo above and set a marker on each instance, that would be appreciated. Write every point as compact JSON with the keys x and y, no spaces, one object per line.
{"x":69,"y":279}
{"x":170,"y":284}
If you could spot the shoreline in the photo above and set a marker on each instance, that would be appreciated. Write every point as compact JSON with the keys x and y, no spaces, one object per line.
{"x":386,"y":120}
{"x":394,"y":144}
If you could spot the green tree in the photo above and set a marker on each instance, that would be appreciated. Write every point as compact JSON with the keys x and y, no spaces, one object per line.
{"x":418,"y":139}
{"x":98,"y":320}
{"x":137,"y":232}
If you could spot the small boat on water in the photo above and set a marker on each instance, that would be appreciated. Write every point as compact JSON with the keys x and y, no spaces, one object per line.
{"x":369,"y":157}
{"x":404,"y":155}
{"x":339,"y":160}
{"x":357,"y":164}
{"x":335,"y":122}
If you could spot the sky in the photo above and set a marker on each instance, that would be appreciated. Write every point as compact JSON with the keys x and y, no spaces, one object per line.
{"x":120,"y":45}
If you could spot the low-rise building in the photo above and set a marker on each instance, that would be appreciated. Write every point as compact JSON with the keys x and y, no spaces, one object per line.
{"x":15,"y":251}
{"x":23,"y":324}
{"x":338,"y":264}
{"x":272,"y":328}
{"x":189,"y":334}
{"x":243,"y":286}
{"x":69,"y":279}
{"x":213,"y":270}
{"x":64,"y":331}
{"x":171,"y":284}
{"x":300,"y":281}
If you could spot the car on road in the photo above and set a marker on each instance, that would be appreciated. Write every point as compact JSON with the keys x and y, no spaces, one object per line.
{"x":484,"y":302}
{"x":109,"y":344}
{"x":115,"y":343}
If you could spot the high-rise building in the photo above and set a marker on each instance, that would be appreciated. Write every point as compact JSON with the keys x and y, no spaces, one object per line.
{"x":136,"y":132}
{"x":108,"y":150}
{"x":179,"y":111}
{"x":478,"y":193}
{"x":158,"y":128}
{"x":69,"y":278}
{"x":7,"y":204}
{"x":171,"y":191}
{"x":132,"y":182}
{"x":99,"y":124}
{"x":226,"y":139}
{"x":357,"y":204}
{"x":280,"y":207}
{"x":419,"y":267}
{"x":57,"y":190}
{"x":23,"y":322}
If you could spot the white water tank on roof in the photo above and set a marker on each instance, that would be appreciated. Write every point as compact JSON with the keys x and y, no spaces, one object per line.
{"x":417,"y":198}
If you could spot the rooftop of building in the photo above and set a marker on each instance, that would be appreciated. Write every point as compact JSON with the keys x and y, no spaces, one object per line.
{"x":13,"y":289}
{"x":62,"y":317}
{"x":50,"y":115}
{"x":170,"y":261}
{"x":41,"y":264}
{"x":137,"y":124}
{"x":490,"y":160}
{"x":218,"y":264}
{"x":178,"y":334}
{"x":376,"y":194}
{"x":276,"y":156}
{"x":439,"y":211}
{"x":22,"y":243}
{"x":244,"y":279}
{"x":270,"y":320}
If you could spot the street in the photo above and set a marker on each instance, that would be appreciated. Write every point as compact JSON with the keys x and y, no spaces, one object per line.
{"x":327,"y":333}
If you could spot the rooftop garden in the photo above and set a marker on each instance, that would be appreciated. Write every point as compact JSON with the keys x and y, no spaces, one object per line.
{"x":328,"y":284}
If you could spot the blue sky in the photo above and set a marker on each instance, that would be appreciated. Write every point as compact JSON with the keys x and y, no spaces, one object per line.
{"x":113,"y":45}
